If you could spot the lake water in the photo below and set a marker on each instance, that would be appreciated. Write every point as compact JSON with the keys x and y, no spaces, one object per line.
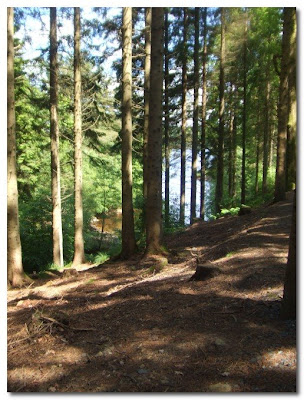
{"x":175,"y":184}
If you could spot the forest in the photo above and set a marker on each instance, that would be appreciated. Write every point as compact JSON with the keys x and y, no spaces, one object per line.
{"x":151,"y":167}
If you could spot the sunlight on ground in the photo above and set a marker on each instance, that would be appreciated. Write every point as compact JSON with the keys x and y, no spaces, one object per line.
{"x":285,"y":357}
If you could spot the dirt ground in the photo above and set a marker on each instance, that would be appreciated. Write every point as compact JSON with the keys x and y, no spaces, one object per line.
{"x":123,"y":327}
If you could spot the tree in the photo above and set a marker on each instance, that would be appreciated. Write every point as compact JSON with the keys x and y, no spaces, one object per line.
{"x":291,"y":159}
{"x":184,"y":119}
{"x":280,"y":182}
{"x":79,"y":257}
{"x":288,"y":310}
{"x":15,"y":275}
{"x":166,"y":127}
{"x":195,"y":117}
{"x":204,"y":110}
{"x":221,"y":127}
{"x":54,"y":130}
{"x":147,"y":69}
{"x":244,"y":116}
{"x":128,"y":235}
{"x":154,"y":195}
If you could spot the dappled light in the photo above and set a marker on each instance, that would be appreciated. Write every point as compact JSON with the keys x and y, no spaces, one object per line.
{"x":120,"y":327}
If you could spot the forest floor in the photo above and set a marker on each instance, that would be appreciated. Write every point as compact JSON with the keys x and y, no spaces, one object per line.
{"x":122,"y":327}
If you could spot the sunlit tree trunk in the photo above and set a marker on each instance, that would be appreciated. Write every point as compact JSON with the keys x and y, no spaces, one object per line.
{"x":184,"y":120}
{"x":15,"y":275}
{"x":54,"y":131}
{"x":154,"y":199}
{"x":166,"y":112}
{"x":280,"y":182}
{"x":232,"y":149}
{"x":195,"y":118}
{"x":79,"y":257}
{"x":204,"y":109}
{"x":128,"y":235}
{"x":291,"y":154}
{"x":148,"y":16}
{"x":220,"y":148}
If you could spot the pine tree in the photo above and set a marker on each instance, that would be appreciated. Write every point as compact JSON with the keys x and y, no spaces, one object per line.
{"x":221,"y":127}
{"x":184,"y":120}
{"x":195,"y":118}
{"x":54,"y":131}
{"x":204,"y":110}
{"x":128,"y":234}
{"x":154,"y":198}
{"x":15,"y":275}
{"x":79,"y":257}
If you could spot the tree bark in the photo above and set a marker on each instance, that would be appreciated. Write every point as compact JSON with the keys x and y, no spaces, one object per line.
{"x":266,"y":133}
{"x":15,"y":275}
{"x":220,"y":148}
{"x":288,"y":310}
{"x":280,"y":182}
{"x":244,"y":121}
{"x":291,"y":154}
{"x":148,"y":17}
{"x":54,"y":132}
{"x":154,"y":199}
{"x":204,"y":109}
{"x":166,"y":112}
{"x":195,"y":118}
{"x":79,"y":257}
{"x":128,"y":235}
{"x":184,"y":120}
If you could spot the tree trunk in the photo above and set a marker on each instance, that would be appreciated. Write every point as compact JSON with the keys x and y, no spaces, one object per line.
{"x":195,"y":118}
{"x":257,"y":160}
{"x":184,"y":120}
{"x":204,"y":109}
{"x":231,"y":156}
{"x":266,"y":134}
{"x":291,"y":161}
{"x":280,"y":182}
{"x":128,"y":235}
{"x":154,"y":199}
{"x":15,"y":275}
{"x":79,"y":257}
{"x":54,"y":132}
{"x":166,"y":110}
{"x":244,"y":122}
{"x":288,"y":310}
{"x":148,"y":16}
{"x":220,"y":148}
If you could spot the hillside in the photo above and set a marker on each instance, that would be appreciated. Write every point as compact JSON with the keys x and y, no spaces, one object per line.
{"x":122,"y":327}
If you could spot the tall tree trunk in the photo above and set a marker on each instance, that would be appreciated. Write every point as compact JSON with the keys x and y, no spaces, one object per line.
{"x":54,"y":131}
{"x":79,"y":257}
{"x":244,"y":122}
{"x":204,"y":109}
{"x":195,"y":118}
{"x":166,"y":111}
{"x":231,"y":155}
{"x":184,"y":120}
{"x":257,"y":160}
{"x":15,"y":273}
{"x":280,"y":182}
{"x":128,"y":235}
{"x":266,"y":133}
{"x":220,"y":148}
{"x":288,"y":310}
{"x":291,"y":159}
{"x":154,"y":199}
{"x":148,"y":17}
